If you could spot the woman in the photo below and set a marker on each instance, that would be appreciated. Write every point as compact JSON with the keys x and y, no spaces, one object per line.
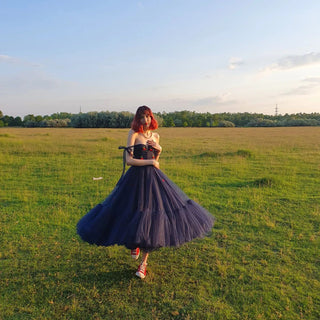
{"x":146,"y":210}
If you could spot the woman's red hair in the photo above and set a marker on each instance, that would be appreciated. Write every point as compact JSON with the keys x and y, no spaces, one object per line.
{"x":136,"y":124}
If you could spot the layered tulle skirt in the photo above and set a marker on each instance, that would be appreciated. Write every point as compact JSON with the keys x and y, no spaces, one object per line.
{"x":146,"y":210}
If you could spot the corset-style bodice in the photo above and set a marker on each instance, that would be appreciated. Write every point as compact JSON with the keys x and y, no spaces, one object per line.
{"x":142,"y":151}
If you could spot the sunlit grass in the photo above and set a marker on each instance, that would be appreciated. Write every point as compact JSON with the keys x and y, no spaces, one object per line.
{"x":261,"y":262}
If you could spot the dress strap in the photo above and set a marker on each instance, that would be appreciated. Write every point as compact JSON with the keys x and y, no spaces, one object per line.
{"x":129,"y":150}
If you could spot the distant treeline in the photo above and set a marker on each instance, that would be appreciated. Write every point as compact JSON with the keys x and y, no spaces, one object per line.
{"x":123,"y":119}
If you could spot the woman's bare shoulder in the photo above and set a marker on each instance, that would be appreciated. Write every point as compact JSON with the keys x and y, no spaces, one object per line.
{"x":132,"y":133}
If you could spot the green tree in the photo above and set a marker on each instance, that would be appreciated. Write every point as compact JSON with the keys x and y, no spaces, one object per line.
{"x":38,"y":118}
{"x":226,"y":123}
{"x":29,"y":117}
{"x":168,"y":122}
{"x":17,"y":122}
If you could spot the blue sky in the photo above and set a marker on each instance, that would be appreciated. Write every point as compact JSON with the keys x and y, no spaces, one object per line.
{"x":200,"y":55}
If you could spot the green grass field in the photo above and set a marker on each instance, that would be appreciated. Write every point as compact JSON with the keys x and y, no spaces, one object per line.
{"x":262,"y":260}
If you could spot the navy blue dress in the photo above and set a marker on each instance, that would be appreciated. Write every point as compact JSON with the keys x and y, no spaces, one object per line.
{"x":145,"y":210}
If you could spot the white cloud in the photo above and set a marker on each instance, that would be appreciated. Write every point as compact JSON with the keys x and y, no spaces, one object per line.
{"x":290,"y":62}
{"x":199,"y":104}
{"x":7,"y":59}
{"x":27,"y":82}
{"x":17,"y":61}
{"x":295,"y":61}
{"x":312,"y":80}
{"x":219,"y":100}
{"x":235,"y":63}
{"x":309,"y":85}
{"x":299,"y":91}
{"x":21,"y":76}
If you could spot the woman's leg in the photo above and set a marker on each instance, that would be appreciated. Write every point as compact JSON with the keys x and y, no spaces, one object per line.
{"x":145,"y":257}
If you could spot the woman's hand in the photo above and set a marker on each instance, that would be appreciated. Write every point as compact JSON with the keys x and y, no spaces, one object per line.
{"x":154,"y":145}
{"x":156,"y":164}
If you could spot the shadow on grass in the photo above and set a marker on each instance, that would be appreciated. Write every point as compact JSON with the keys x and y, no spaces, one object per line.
{"x":109,"y":277}
{"x":106,"y":270}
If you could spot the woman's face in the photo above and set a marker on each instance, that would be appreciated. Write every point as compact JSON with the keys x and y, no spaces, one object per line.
{"x":145,"y":120}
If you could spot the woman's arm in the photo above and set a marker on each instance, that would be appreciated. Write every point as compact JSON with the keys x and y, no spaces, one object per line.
{"x":155,"y":144}
{"x":137,"y":162}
